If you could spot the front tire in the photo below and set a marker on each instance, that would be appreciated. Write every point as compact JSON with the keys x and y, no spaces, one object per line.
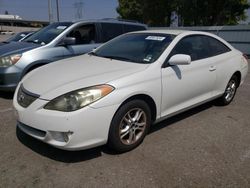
{"x":230,"y":91}
{"x":129,"y":126}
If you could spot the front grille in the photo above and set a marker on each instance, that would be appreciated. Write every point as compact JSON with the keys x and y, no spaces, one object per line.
{"x":25,"y":98}
{"x":31,"y":130}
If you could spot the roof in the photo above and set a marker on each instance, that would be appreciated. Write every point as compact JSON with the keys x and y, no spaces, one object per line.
{"x":110,"y":20}
{"x":167,"y":31}
{"x":177,"y":32}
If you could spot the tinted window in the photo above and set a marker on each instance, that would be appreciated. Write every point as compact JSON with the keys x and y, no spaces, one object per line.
{"x":130,"y":28}
{"x":111,"y":30}
{"x":193,"y":46}
{"x":85,"y":34}
{"x":216,"y":47}
{"x":136,"y":47}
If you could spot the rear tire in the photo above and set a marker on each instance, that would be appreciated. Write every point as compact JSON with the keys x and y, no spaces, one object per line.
{"x":230,"y":91}
{"x":129,"y":126}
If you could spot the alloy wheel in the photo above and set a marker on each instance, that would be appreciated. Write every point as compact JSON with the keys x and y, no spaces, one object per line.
{"x":132,"y":126}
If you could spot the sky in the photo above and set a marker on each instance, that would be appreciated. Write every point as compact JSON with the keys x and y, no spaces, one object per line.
{"x":38,"y":9}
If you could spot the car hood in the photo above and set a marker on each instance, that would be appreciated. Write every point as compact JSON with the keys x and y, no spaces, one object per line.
{"x":16,"y":47}
{"x":75,"y":73}
{"x":3,"y":43}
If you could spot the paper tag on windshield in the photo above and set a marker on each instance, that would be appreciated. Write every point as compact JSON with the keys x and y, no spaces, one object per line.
{"x":148,"y":58}
{"x":157,"y":38}
{"x":61,"y":27}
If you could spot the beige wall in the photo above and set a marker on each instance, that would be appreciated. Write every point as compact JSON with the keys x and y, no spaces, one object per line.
{"x":17,"y":29}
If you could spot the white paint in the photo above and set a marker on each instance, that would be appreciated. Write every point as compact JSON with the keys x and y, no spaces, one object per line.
{"x":173,"y":89}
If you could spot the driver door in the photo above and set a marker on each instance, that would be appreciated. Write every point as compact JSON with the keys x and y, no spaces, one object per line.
{"x":186,"y":85}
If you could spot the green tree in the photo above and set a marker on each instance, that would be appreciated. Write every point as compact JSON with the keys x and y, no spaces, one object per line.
{"x":211,"y":12}
{"x":191,"y":12}
{"x":131,"y":10}
{"x":154,"y":13}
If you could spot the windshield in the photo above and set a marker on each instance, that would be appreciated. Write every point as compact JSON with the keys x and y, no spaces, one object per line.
{"x":49,"y":33}
{"x":136,"y":47}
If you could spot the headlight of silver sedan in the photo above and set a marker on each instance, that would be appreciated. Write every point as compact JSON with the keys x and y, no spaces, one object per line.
{"x":10,"y":60}
{"x":78,"y":99}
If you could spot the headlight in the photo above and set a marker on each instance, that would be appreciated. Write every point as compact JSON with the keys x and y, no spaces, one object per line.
{"x":9,"y":60}
{"x":78,"y":99}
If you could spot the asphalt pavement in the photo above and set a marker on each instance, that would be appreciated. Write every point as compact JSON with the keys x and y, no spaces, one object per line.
{"x":208,"y":146}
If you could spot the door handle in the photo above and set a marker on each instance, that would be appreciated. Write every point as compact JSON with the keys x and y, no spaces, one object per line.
{"x":212,"y":68}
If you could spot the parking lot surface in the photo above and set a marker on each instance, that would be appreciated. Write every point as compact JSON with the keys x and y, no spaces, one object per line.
{"x":208,"y":146}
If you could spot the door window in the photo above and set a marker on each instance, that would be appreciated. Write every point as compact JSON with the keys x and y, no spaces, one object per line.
{"x":199,"y":47}
{"x":85,"y":34}
{"x":130,"y":28}
{"x":193,"y":46}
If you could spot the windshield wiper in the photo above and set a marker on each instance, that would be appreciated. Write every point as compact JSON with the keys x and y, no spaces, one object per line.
{"x":118,"y":58}
{"x":92,"y":53}
{"x":114,"y":57}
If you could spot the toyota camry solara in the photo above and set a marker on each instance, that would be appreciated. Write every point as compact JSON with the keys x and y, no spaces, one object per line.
{"x":113,"y":94}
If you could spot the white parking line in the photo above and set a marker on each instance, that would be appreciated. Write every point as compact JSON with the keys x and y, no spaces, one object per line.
{"x":6,"y":110}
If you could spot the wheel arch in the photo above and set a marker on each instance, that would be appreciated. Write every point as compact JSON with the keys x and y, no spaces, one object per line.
{"x":147,"y":99}
{"x":238,"y":75}
{"x":34,"y":65}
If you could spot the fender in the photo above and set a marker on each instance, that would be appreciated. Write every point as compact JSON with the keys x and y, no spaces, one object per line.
{"x":34,"y":65}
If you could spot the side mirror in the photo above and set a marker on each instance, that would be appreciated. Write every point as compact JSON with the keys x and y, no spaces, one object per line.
{"x":180,"y":59}
{"x":68,"y":41}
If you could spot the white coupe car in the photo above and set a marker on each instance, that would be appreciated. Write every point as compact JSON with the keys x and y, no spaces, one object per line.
{"x":113,"y":94}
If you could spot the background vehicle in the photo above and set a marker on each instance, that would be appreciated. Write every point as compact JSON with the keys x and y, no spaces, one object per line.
{"x":125,"y":85}
{"x":18,"y":37}
{"x":55,"y":42}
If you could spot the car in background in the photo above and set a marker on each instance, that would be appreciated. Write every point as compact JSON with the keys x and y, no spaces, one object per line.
{"x":18,"y":37}
{"x":54,"y":42}
{"x":113,"y":94}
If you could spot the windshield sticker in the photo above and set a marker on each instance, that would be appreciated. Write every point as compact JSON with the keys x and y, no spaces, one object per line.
{"x":157,"y":38}
{"x":148,"y":58}
{"x":61,"y":27}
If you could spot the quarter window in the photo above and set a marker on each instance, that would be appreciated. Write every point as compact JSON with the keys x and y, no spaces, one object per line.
{"x":216,"y":47}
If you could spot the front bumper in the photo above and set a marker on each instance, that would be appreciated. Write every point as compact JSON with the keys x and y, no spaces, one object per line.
{"x":82,"y":129}
{"x":9,"y":78}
